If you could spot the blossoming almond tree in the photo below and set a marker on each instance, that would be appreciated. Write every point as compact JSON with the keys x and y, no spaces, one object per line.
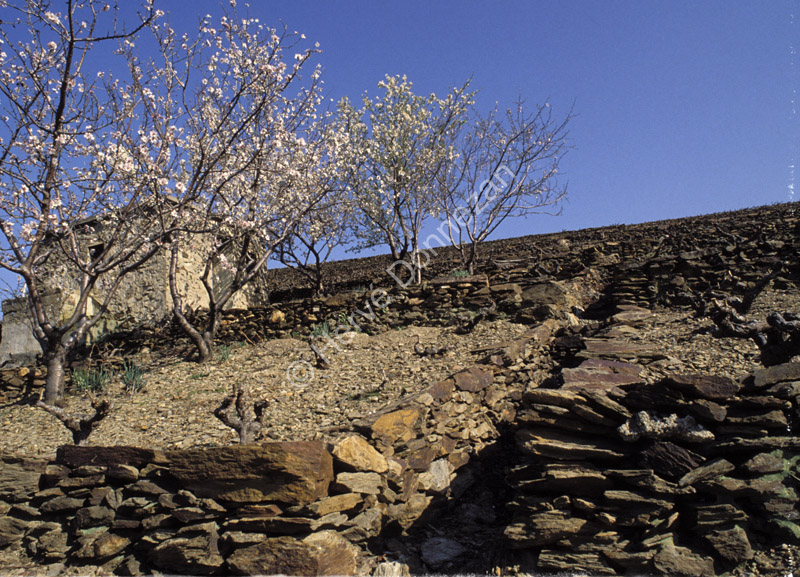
{"x":506,"y":166}
{"x":254,"y":157}
{"x":71,"y":168}
{"x":324,"y":228}
{"x":399,"y":144}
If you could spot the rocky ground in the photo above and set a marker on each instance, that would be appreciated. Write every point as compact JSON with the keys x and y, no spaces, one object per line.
{"x":175,"y":410}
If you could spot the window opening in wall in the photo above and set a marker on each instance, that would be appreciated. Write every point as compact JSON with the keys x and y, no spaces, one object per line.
{"x":95,"y":251}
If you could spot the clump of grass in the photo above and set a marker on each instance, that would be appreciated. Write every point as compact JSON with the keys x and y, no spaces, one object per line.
{"x":223,"y":353}
{"x":459,"y":273}
{"x":132,"y":377}
{"x":93,"y":380}
{"x":363,"y":395}
{"x":344,"y":321}
{"x":322,"y":329}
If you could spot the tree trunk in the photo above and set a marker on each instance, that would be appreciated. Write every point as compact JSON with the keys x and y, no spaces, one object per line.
{"x":56,"y":358}
{"x":200,"y":340}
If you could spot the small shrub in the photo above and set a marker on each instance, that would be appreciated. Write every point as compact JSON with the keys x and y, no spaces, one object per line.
{"x":93,"y":380}
{"x":459,"y":273}
{"x":132,"y":377}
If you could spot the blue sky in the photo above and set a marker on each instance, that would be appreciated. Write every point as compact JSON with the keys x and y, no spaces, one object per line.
{"x":682,"y":108}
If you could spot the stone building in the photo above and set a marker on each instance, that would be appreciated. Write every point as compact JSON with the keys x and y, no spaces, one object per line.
{"x":142,"y":298}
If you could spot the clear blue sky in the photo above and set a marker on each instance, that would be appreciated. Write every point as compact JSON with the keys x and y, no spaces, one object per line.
{"x":682,"y":108}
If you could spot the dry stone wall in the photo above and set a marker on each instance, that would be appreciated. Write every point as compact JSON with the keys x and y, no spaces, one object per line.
{"x":685,"y":476}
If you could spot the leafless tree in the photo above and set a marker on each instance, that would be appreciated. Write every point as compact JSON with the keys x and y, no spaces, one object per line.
{"x":506,"y":166}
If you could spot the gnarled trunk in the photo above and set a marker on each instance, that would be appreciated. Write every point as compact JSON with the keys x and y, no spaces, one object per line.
{"x":55,"y":359}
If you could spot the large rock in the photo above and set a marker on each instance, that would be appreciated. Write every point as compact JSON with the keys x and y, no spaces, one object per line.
{"x":323,"y":553}
{"x":356,"y":453}
{"x":394,"y":426}
{"x":295,"y":473}
{"x":776,"y":374}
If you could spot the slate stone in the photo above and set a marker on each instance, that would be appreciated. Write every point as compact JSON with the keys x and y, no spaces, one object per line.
{"x":668,"y":459}
{"x":193,"y":555}
{"x":601,"y":374}
{"x":62,"y":505}
{"x":394,"y":426}
{"x":364,"y":483}
{"x":335,"y":504}
{"x":710,"y":470}
{"x":473,"y":379}
{"x":357,"y":454}
{"x":294,"y":473}
{"x":776,"y":374}
{"x":765,"y":463}
{"x":441,"y":390}
{"x":709,"y":387}
{"x":94,"y":516}
{"x":732,"y":545}
{"x":683,"y":562}
{"x":75,"y":456}
{"x":323,"y":553}
{"x":544,"y":529}
{"x":624,"y":500}
{"x":20,"y":481}
{"x":589,"y":563}
{"x":558,"y":445}
{"x":105,"y":546}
